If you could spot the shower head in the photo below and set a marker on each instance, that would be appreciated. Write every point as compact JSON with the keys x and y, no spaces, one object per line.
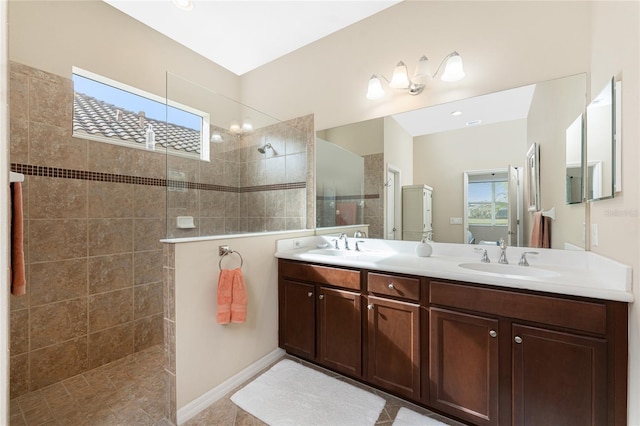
{"x":264,"y":148}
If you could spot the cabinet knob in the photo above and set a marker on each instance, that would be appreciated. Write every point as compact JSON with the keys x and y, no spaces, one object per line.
{"x":493,"y":333}
{"x":310,"y":294}
{"x":391,"y":287}
{"x":321,"y":297}
{"x":370,"y":306}
{"x":517,"y":339}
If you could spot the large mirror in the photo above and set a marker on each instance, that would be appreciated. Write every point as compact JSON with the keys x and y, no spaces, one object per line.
{"x":574,"y":153}
{"x":483,"y":137}
{"x":600,"y":144}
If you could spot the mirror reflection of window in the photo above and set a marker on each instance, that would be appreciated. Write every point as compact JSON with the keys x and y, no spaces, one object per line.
{"x":488,"y":204}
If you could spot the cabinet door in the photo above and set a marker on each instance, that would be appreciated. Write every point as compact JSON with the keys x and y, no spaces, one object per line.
{"x":558,"y":378}
{"x":464,"y":366}
{"x":394,"y":346}
{"x":340,"y":330}
{"x":297,"y":319}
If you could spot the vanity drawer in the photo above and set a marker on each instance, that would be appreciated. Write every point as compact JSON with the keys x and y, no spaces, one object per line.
{"x":346,"y":278}
{"x":576,"y":314}
{"x":392,"y":285}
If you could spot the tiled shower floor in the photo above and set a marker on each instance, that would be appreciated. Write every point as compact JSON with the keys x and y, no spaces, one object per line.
{"x":130,"y":392}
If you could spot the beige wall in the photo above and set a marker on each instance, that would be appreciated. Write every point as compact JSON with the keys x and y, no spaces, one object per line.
{"x":441,"y":159}
{"x":55,"y":35}
{"x":364,"y":138}
{"x":207,"y":353}
{"x":398,"y":149}
{"x":615,"y":46}
{"x":503,"y":45}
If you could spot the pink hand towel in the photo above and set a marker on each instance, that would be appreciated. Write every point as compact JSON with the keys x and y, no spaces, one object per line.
{"x":239,"y":301}
{"x":17,"y":272}
{"x":225,"y":288}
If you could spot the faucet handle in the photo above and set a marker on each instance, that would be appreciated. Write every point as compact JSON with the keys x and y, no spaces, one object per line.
{"x":335,"y":243}
{"x":503,"y":245}
{"x":357,"y":246}
{"x":485,"y":257}
{"x":523,"y":258}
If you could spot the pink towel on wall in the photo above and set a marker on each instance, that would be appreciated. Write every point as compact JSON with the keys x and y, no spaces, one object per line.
{"x":239,"y":298}
{"x":17,"y":272}
{"x":225,"y":288}
{"x":232,"y":297}
{"x":541,"y":232}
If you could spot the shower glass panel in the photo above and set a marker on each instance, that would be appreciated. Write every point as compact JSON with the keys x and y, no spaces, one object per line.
{"x":254,"y":178}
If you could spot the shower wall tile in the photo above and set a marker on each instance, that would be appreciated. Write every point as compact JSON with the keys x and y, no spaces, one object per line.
{"x":110,"y":309}
{"x":147,"y":267}
{"x":231,"y":174}
{"x":54,"y":147}
{"x":147,"y":234}
{"x":149,"y":201}
{"x":18,"y":375}
{"x":212,"y":225}
{"x":275,"y":171}
{"x":80,"y":239}
{"x":256,"y":204}
{"x":19,"y":140}
{"x":19,"y":96}
{"x":110,"y":200}
{"x":57,"y":198}
{"x":58,"y":362}
{"x":110,"y":344}
{"x":147,"y":300}
{"x":57,"y":239}
{"x":275,"y":204}
{"x":296,"y":202}
{"x":296,"y":167}
{"x":148,"y":332}
{"x":168,"y":291}
{"x":109,"y":158}
{"x":56,"y":322}
{"x":109,"y":236}
{"x":107,"y":273}
{"x":276,"y":224}
{"x":231,"y":205}
{"x":293,"y":223}
{"x":55,"y":281}
{"x":51,"y":101}
{"x":212,"y":203}
{"x":19,"y":333}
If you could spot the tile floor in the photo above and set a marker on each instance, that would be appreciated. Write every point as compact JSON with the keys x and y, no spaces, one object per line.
{"x":130,"y":392}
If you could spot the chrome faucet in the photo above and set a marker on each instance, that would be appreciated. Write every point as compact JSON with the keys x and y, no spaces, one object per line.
{"x":523,"y":258}
{"x":346,"y":241}
{"x":485,"y":257}
{"x":503,"y":253}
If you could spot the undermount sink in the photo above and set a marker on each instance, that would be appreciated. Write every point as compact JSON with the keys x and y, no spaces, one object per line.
{"x":511,"y":270}
{"x":370,"y":256}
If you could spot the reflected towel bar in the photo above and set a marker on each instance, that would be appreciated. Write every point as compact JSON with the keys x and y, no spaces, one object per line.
{"x":550,"y":213}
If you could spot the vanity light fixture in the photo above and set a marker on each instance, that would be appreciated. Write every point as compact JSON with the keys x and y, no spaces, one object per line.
{"x":453,"y":71}
{"x":456,"y":113}
{"x":238,"y":129}
{"x":216,"y":137}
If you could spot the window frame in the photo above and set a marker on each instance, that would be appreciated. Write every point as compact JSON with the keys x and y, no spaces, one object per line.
{"x":205,"y":151}
{"x":492,"y":202}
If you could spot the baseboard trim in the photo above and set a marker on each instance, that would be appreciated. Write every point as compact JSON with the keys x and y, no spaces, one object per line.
{"x":199,"y":404}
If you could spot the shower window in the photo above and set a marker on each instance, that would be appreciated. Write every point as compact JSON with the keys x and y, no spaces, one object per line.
{"x":109,"y":111}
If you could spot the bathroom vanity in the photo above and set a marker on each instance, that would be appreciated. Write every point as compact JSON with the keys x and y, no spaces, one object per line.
{"x":486,"y":348}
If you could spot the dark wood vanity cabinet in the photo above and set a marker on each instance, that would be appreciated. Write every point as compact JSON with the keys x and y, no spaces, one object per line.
{"x":320,"y":315}
{"x":485,"y":355}
{"x":506,"y":357}
{"x":464,"y":365}
{"x":393,"y":333}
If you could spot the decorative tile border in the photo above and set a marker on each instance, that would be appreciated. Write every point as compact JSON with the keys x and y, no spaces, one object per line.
{"x":348,"y":197}
{"x":55,"y":172}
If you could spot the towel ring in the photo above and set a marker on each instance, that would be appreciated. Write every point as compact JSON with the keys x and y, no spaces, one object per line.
{"x":229,"y":252}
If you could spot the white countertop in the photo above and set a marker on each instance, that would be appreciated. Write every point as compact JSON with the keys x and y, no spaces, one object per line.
{"x":568,"y":272}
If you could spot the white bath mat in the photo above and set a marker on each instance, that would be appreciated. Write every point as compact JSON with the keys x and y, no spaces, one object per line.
{"x":292,"y":394}
{"x":406,"y":417}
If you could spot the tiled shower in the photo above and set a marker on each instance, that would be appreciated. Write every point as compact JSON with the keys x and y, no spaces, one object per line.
{"x":94,"y":215}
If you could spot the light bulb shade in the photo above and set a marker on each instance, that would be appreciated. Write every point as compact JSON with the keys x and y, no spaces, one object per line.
{"x":453,"y":70}
{"x":422,"y":75}
{"x":247,"y":126}
{"x":400,"y":79}
{"x":374,"y":90}
{"x":234,"y":127}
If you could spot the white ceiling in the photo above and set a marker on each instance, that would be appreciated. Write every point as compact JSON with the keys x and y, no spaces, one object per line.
{"x":497,"y":107}
{"x":242,"y":35}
